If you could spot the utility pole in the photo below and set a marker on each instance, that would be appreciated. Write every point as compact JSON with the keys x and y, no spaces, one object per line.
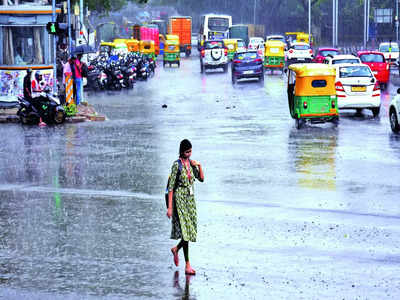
{"x":365,"y":24}
{"x":397,"y":21}
{"x":336,"y":21}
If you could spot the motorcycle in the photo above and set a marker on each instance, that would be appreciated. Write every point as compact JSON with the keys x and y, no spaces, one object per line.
{"x":43,"y":106}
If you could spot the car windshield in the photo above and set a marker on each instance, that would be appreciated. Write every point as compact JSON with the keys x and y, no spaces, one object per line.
{"x":246,"y":55}
{"x":372,"y":58}
{"x":345,"y":61}
{"x":213,"y":45}
{"x":356,"y":71}
{"x":218,"y":24}
{"x":328,"y":52}
{"x":385,"y":48}
{"x":301,"y":47}
{"x":276,"y":38}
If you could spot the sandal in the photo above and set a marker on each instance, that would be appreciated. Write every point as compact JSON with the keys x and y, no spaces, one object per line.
{"x":176,"y":256}
{"x":190,"y":271}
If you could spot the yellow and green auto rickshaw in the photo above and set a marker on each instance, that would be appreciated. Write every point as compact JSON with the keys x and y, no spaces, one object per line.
{"x":172,"y":53}
{"x":274,"y":55}
{"x":312,"y":93}
{"x":147,"y":48}
{"x":231,"y":45}
{"x":106,"y":47}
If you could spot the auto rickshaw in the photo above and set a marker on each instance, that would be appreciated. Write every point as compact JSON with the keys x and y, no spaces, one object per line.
{"x":172,"y":37}
{"x":312,"y":93}
{"x":274,"y":55}
{"x":231,"y":45}
{"x":131,"y":44}
{"x":106,"y":47}
{"x":147,"y":48}
{"x":172,"y":53}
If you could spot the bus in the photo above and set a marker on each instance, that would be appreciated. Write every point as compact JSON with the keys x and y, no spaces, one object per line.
{"x":213,"y":26}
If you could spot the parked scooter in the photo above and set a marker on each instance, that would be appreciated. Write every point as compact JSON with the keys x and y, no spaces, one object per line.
{"x":42,"y":106}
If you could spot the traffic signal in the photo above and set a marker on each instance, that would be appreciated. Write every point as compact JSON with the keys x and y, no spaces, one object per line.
{"x":52,"y":28}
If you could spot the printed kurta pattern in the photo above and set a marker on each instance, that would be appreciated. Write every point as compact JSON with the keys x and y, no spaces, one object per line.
{"x":184,"y":216}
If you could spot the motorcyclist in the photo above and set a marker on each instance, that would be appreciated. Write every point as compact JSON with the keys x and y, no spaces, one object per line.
{"x":37,"y":83}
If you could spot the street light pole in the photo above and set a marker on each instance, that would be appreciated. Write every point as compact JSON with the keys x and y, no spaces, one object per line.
{"x":254,"y":12}
{"x":309,"y":20}
{"x":397,"y":21}
{"x":53,"y":19}
{"x":365,"y":24}
{"x":69,"y":27}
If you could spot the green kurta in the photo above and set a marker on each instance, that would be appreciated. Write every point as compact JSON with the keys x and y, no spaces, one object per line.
{"x":184,"y":216}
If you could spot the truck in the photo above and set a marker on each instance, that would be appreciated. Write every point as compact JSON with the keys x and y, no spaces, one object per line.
{"x":182,"y":27}
{"x":256,"y":30}
{"x":239,"y":31}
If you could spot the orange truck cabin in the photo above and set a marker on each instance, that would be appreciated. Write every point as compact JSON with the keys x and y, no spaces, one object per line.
{"x":182,"y":27}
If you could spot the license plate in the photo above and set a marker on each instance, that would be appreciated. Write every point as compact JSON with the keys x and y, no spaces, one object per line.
{"x":300,"y":58}
{"x":358,"y":88}
{"x":248,"y":72}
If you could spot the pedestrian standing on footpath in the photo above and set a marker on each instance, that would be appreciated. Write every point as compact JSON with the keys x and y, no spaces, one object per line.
{"x":28,"y":85}
{"x":181,"y":202}
{"x":76,"y":69}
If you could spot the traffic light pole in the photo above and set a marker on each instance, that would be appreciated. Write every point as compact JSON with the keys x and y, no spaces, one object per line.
{"x":69,"y":28}
{"x":53,"y":19}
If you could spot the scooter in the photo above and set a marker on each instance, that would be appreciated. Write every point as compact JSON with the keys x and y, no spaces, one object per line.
{"x":41,"y":106}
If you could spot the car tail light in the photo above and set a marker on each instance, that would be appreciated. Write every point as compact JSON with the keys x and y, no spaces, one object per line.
{"x":387,"y":66}
{"x":226,"y":51}
{"x":90,"y":67}
{"x":291,"y":51}
{"x":377,"y":86}
{"x":333,"y":104}
{"x":203,"y":53}
{"x":258,"y":60}
{"x":237,"y":61}
{"x":311,"y":51}
{"x":339,"y":86}
{"x":305,"y":104}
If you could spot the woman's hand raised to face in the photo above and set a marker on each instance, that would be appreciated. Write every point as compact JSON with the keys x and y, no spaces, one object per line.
{"x":194,"y":163}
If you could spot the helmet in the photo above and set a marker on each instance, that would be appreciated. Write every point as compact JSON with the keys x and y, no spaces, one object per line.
{"x":37,"y":74}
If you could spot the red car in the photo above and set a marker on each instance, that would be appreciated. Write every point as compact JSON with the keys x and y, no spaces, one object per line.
{"x":377,"y":62}
{"x":324,"y":52}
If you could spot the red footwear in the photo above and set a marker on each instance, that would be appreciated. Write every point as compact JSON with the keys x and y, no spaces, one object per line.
{"x":176,"y":256}
{"x":190,"y":271}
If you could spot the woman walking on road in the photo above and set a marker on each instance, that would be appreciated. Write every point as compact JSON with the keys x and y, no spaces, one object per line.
{"x":181,"y":202}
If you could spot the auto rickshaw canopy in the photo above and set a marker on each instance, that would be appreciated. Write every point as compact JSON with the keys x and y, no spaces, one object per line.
{"x":231,"y":44}
{"x":172,"y":37}
{"x":147,"y":46}
{"x":274,"y":48}
{"x":314,"y":79}
{"x":300,"y":36}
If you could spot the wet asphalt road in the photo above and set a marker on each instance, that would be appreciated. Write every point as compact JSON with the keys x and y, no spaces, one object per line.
{"x":283,"y":213}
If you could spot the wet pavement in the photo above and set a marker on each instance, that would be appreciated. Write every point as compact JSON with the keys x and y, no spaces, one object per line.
{"x":283,"y":213}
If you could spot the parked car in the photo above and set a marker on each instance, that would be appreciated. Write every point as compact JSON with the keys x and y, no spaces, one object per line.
{"x":322,"y":53}
{"x":247,"y":65}
{"x":255,"y":43}
{"x":357,"y":88}
{"x":377,"y":62}
{"x":213,"y":55}
{"x":299,"y":52}
{"x":341,"y":59}
{"x":394,"y":113}
{"x":391,"y":52}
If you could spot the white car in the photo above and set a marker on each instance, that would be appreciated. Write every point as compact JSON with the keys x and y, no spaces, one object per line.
{"x":299,"y":52}
{"x":255,"y":43}
{"x":390,"y":51}
{"x":241,"y":46}
{"x":342,"y":59}
{"x":394,"y":113}
{"x":214,"y":55}
{"x":357,"y":88}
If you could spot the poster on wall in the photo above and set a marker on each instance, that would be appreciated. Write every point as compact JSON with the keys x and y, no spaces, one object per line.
{"x":12,"y":82}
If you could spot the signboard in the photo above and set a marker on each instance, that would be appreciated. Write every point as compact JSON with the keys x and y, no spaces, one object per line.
{"x":383,"y":15}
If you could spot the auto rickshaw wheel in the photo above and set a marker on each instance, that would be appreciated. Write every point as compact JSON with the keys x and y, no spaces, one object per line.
{"x":164,"y":63}
{"x":201,"y":68}
{"x":179,"y":64}
{"x":335,"y":120}
{"x":375,"y":111}
{"x":299,"y":123}
{"x":394,"y":122}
